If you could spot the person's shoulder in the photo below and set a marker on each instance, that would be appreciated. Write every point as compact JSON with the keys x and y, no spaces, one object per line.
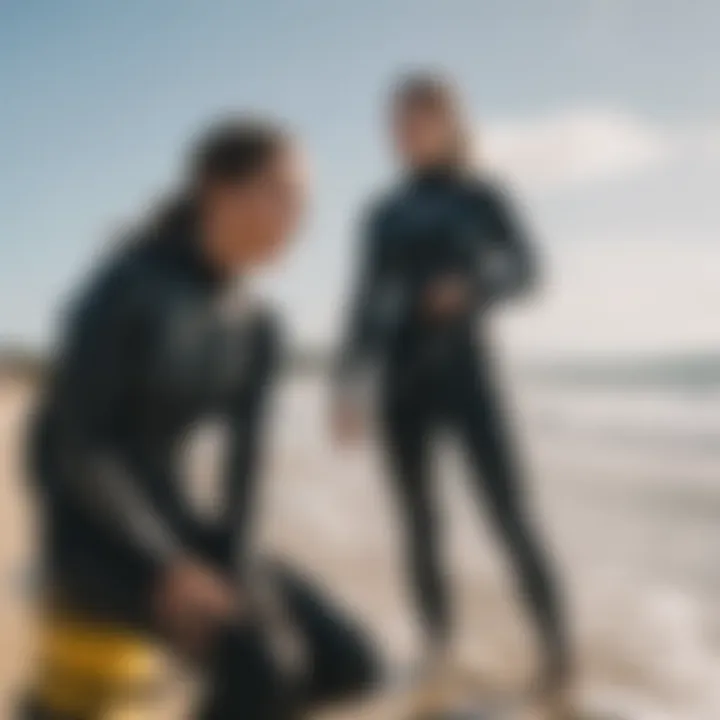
{"x":114,"y":276}
{"x":381,"y":213}
{"x":121,"y":282}
{"x":485,"y":187}
{"x":385,"y":202}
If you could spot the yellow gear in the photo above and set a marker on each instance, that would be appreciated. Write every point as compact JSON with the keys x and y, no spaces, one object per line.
{"x":93,"y":670}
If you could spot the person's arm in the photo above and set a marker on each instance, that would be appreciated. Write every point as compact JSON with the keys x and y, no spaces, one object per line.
{"x":102,"y":356}
{"x":504,"y":265}
{"x":508,"y":266}
{"x":248,"y":437}
{"x":369,"y":308}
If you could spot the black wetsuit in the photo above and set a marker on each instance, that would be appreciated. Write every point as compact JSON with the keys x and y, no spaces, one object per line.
{"x":156,"y":345}
{"x":439,"y":373}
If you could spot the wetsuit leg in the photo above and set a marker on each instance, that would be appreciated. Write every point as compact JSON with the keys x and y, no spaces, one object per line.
{"x":245,"y":680}
{"x":340,"y":657}
{"x":407,"y":430}
{"x":249,"y":680}
{"x":481,"y":424}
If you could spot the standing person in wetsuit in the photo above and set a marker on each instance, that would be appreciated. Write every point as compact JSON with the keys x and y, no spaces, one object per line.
{"x":162,"y":340}
{"x":438,"y":252}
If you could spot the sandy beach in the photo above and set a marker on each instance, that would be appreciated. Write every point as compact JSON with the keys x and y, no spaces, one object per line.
{"x":624,"y":489}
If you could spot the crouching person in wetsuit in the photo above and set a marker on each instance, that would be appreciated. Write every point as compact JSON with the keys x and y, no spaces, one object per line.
{"x":439,"y":251}
{"x":161,"y":341}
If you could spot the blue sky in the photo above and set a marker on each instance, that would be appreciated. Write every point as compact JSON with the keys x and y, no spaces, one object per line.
{"x":604,"y":114}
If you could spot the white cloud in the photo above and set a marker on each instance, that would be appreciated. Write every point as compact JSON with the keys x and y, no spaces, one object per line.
{"x":574,"y":146}
{"x":706,"y":140}
{"x":608,"y":298}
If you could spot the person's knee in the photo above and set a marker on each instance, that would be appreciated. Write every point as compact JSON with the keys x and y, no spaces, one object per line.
{"x":364,"y":667}
{"x":352,"y":671}
{"x":244,"y":679}
{"x":340,"y":657}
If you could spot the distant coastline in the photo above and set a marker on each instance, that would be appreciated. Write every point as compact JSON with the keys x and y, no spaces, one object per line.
{"x":688,"y":371}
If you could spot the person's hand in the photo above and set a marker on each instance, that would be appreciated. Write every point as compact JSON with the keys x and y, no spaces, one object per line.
{"x":347,"y":421}
{"x":192,"y":601}
{"x":447,"y":298}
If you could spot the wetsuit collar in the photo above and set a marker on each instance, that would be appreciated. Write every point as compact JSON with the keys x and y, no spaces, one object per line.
{"x":435,"y":174}
{"x":199,"y":264}
{"x":183,"y":243}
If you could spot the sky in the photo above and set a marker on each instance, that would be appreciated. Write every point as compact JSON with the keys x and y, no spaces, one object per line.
{"x":601,"y":115}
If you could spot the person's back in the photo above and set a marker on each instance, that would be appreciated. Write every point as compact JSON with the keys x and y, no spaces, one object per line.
{"x":139,"y":395}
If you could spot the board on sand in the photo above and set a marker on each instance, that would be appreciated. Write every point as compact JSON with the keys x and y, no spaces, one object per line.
{"x":463,"y":700}
{"x":456,"y":698}
{"x":477,"y":710}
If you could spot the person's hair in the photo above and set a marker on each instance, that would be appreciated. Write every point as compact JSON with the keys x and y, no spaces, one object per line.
{"x":230,"y":152}
{"x":433,"y":92}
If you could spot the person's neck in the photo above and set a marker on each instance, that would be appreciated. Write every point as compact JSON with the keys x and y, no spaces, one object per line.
{"x":209,"y":255}
{"x":434,"y":171}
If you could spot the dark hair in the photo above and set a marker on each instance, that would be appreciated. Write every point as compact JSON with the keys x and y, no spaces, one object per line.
{"x":431,"y":91}
{"x":232,"y":151}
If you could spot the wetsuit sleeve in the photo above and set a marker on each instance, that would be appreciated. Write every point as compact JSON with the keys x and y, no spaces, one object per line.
{"x":508,"y":266}
{"x":102,"y":356}
{"x":363,"y":328}
{"x":249,"y":437}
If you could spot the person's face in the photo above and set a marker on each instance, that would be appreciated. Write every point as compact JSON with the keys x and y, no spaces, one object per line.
{"x":423,"y":135}
{"x":254,"y":220}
